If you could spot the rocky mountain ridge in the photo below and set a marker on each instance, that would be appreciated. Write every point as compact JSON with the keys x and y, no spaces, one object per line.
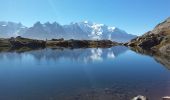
{"x":80,"y":30}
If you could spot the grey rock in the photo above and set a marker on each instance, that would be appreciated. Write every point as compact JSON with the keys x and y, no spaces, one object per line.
{"x":140,"y":97}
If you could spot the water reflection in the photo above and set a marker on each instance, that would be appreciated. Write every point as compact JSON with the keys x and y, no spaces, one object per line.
{"x":162,"y":58}
{"x":82,"y":55}
{"x":115,"y":73}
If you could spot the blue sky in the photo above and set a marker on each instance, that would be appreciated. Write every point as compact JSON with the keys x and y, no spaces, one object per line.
{"x":133,"y":16}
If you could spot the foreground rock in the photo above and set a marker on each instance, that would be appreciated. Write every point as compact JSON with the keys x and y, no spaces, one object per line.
{"x":166,"y":98}
{"x":140,"y":97}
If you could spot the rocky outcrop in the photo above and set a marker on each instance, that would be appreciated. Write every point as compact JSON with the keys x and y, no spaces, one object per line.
{"x":157,"y":40}
{"x":140,"y":97}
{"x":81,"y":43}
{"x":20,"y":42}
{"x":166,"y":98}
{"x":155,"y":43}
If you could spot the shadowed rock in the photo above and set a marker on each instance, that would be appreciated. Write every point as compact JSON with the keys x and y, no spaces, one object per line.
{"x":20,"y":42}
{"x":81,"y":43}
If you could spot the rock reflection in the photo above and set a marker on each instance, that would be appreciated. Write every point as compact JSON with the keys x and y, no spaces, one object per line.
{"x":83,"y":55}
{"x":161,"y":57}
{"x":164,"y":60}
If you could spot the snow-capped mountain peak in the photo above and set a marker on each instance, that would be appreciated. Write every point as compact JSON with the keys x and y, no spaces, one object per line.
{"x":101,"y":31}
{"x":111,"y":29}
{"x":76,"y":30}
{"x":97,"y":29}
{"x":86,"y":22}
{"x":11,"y":29}
{"x":4,"y":25}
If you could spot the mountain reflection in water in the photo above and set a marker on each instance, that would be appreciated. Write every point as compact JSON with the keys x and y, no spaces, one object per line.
{"x":115,"y":73}
{"x":83,"y":55}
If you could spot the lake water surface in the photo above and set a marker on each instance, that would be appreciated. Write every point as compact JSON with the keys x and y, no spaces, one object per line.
{"x":115,"y":73}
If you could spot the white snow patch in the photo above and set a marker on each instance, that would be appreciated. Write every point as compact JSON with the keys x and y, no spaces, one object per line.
{"x":110,"y":55}
{"x":3,"y":25}
{"x":97,"y":29}
{"x":86,"y":22}
{"x":111,"y":29}
{"x":23,"y":27}
{"x":96,"y":54}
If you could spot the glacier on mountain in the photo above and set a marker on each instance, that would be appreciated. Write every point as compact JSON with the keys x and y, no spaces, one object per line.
{"x":80,"y":30}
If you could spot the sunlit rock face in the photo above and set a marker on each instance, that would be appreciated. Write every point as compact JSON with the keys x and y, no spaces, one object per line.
{"x":162,"y":28}
{"x":157,"y":40}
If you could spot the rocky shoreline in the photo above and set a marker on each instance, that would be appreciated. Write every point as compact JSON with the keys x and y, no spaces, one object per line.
{"x":20,"y":42}
{"x":157,"y":40}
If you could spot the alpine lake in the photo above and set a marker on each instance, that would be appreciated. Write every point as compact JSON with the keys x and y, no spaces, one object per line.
{"x":115,"y":73}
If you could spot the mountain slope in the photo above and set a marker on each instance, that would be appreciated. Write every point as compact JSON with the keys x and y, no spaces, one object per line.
{"x":157,"y":40}
{"x":81,"y":30}
{"x":101,"y":31}
{"x":11,"y":29}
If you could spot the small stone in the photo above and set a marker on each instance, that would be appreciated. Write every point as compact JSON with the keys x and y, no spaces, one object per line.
{"x":140,"y":97}
{"x":107,"y":91}
{"x":166,"y":98}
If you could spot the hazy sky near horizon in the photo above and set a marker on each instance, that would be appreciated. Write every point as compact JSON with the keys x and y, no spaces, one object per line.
{"x":133,"y":16}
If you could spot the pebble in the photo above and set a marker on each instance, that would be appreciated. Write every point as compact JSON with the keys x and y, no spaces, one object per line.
{"x":140,"y":97}
{"x":166,"y":98}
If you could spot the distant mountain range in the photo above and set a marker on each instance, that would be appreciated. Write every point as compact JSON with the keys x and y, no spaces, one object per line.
{"x":81,"y":30}
{"x":11,"y":29}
